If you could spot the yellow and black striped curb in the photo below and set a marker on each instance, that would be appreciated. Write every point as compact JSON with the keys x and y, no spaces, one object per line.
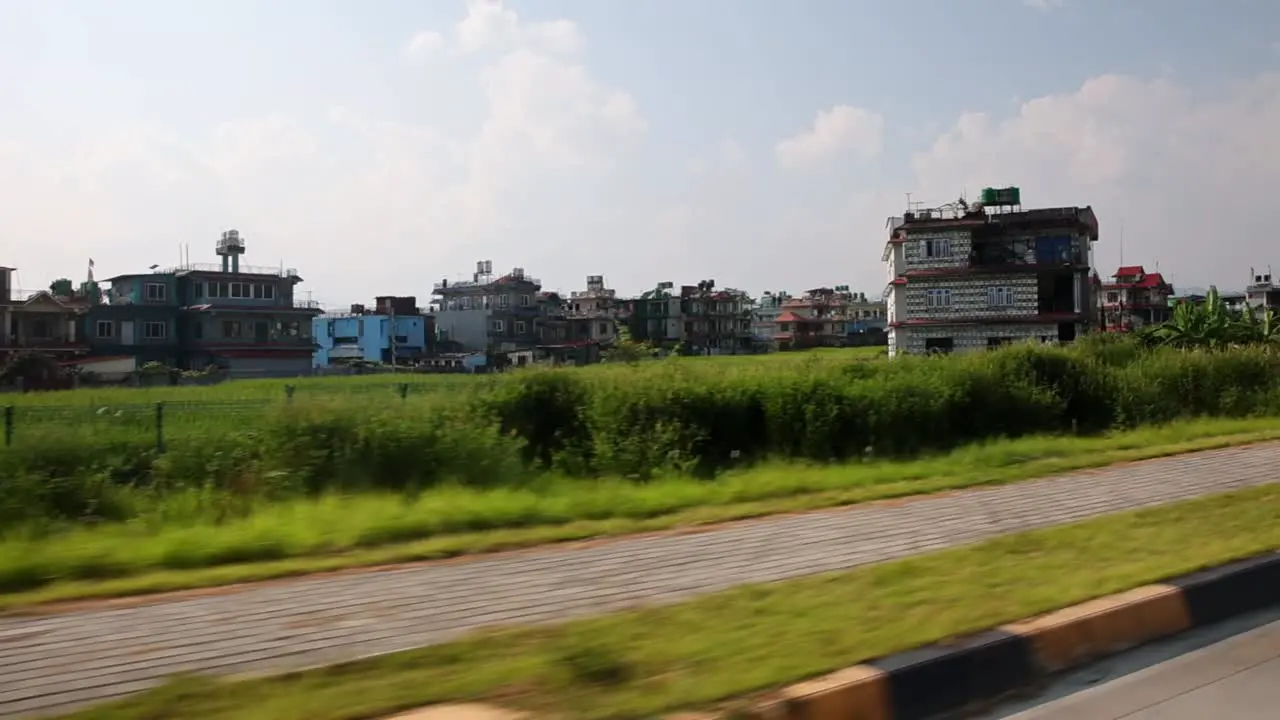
{"x":949,"y":677}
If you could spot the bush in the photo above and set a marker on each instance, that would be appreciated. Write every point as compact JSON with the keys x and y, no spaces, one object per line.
{"x":688,"y":416}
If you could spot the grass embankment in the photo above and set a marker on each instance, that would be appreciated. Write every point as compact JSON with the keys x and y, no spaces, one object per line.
{"x":273,"y":540}
{"x":637,"y":664}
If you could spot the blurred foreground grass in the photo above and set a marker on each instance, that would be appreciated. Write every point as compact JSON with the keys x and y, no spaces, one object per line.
{"x":636,"y":664}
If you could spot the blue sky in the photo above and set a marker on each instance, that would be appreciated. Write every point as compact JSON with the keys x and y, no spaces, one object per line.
{"x":382,"y":145}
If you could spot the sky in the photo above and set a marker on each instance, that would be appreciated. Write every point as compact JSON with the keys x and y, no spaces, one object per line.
{"x":381,"y":146}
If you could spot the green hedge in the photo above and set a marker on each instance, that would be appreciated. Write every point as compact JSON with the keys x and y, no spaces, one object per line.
{"x":671,"y":416}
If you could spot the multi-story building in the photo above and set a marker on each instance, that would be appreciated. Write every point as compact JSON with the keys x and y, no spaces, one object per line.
{"x":1134,"y":298}
{"x":241,"y":318}
{"x":866,"y":319}
{"x":966,"y":276}
{"x":716,"y":322}
{"x":488,"y":314}
{"x":1262,"y":294}
{"x":46,"y":321}
{"x":592,"y":313}
{"x":394,"y":331}
{"x":656,"y":317}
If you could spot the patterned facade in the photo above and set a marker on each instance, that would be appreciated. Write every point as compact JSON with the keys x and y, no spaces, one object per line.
{"x":964,"y":278}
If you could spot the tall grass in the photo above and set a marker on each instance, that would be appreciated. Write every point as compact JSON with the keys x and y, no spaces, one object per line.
{"x":686,"y":418}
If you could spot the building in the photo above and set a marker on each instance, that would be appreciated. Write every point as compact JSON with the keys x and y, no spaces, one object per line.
{"x":46,"y":321}
{"x":1262,"y":294}
{"x":656,"y":317}
{"x":488,"y":314}
{"x":241,"y":318}
{"x":821,"y":317}
{"x":574,"y":330}
{"x":965,"y":277}
{"x":1134,"y":298}
{"x":716,"y":321}
{"x":395,"y":331}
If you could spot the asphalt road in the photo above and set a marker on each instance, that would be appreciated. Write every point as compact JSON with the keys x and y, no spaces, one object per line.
{"x":1230,"y":671}
{"x":59,"y":662}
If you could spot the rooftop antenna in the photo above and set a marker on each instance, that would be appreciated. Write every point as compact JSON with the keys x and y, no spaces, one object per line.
{"x":1121,"y":242}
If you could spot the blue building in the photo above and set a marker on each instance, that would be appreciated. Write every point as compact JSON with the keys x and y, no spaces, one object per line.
{"x":367,"y":335}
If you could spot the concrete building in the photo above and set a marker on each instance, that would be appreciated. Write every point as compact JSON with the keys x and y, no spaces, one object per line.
{"x":488,"y":314}
{"x":965,"y":277}
{"x":1134,"y":298}
{"x":46,"y":321}
{"x":1262,"y":294}
{"x":395,"y":331}
{"x":241,"y":318}
{"x":656,"y":317}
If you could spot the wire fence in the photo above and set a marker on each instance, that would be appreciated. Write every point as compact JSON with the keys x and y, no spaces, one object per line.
{"x":164,"y":419}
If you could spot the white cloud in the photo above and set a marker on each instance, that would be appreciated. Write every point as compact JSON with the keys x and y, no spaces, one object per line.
{"x":358,"y":202}
{"x":842,"y":129}
{"x":1191,"y":174}
{"x":423,"y":44}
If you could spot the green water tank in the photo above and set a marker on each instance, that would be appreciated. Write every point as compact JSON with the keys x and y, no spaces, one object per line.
{"x":1002,"y":196}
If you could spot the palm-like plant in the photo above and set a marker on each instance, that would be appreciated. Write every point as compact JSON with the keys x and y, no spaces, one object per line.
{"x":1214,"y":326}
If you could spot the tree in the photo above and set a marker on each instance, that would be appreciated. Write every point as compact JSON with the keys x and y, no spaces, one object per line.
{"x":1214,"y":326}
{"x":627,"y":350}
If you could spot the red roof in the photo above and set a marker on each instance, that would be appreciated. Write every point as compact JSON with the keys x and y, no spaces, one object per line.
{"x":790,"y":317}
{"x":1130,"y":270}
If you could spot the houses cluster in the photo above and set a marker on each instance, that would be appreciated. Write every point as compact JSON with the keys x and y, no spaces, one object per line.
{"x":248,"y":321}
{"x":965,"y":276}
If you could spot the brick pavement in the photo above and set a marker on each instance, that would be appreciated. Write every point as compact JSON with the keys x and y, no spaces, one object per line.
{"x":57,"y":662}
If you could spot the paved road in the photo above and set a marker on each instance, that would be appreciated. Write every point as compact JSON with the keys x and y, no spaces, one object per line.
{"x":1236,"y":678}
{"x":50,"y":664}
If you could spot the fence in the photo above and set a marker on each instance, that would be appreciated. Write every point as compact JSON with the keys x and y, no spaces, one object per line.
{"x":167,"y":418}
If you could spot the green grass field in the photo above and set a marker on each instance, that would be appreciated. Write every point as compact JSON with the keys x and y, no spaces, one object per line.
{"x":702,"y":653}
{"x":97,"y":497}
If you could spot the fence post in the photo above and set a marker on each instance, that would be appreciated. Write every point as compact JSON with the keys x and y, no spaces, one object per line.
{"x":8,"y":425}
{"x":404,"y":390}
{"x":288,"y":393}
{"x":160,"y":427}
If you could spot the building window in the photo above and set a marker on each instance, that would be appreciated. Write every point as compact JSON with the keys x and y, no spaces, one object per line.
{"x":264,"y":292}
{"x":105,"y":328}
{"x":995,"y":342}
{"x":1000,"y":296}
{"x":937,"y":248}
{"x":1113,"y":297}
{"x":466,"y":303}
{"x":197,"y":290}
{"x":520,"y":327}
{"x":292,"y":328}
{"x":155,"y":292}
{"x":498,"y":326}
{"x":940,"y":298}
{"x":604,"y":328}
{"x":504,"y":300}
{"x":232,"y":329}
{"x":216,"y":290}
{"x":242,"y":291}
{"x":153,"y":330}
{"x":939,"y":345}
{"x":39,"y":329}
{"x":525,"y":300}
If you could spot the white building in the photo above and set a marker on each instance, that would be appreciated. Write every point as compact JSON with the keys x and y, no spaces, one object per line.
{"x":964,"y":277}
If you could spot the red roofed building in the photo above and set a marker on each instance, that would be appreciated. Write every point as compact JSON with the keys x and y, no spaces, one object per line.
{"x":1134,"y":298}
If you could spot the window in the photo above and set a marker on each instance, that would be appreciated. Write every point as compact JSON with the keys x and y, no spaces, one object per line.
{"x":155,"y":292}
{"x":155,"y":330}
{"x":241,"y":290}
{"x":216,"y":290}
{"x":520,"y":327}
{"x":197,"y":290}
{"x":937,"y":248}
{"x":498,"y":326}
{"x":504,"y":301}
{"x":784,"y":327}
{"x":995,"y":342}
{"x":1113,"y":297}
{"x":105,"y":328}
{"x":232,"y":329}
{"x":264,"y":292}
{"x":525,"y":301}
{"x":292,"y":328}
{"x":39,"y":329}
{"x":1000,"y":296}
{"x":604,"y":328}
{"x":466,"y":303}
{"x":939,"y":345}
{"x":937,"y":298}
{"x":402,"y":339}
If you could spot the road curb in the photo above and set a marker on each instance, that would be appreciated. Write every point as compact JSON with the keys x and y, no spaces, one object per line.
{"x":947,"y":678}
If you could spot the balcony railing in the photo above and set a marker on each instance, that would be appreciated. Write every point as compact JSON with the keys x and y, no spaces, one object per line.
{"x":242,"y":269}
